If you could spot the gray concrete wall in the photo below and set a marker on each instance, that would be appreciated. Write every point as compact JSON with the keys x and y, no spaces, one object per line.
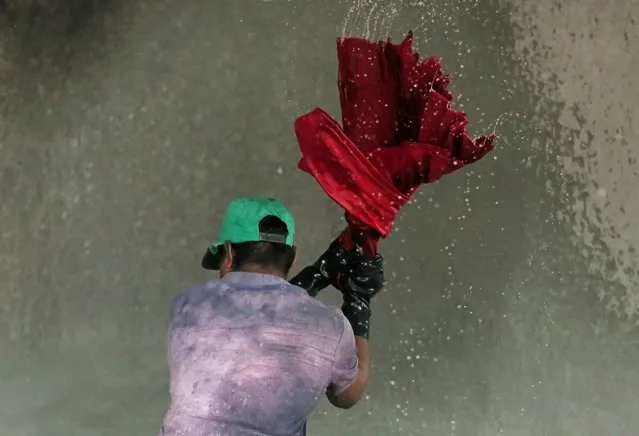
{"x":513,"y":290}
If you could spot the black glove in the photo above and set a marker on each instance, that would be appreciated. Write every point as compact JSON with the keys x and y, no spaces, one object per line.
{"x":359,"y":283}
{"x":324,"y":271}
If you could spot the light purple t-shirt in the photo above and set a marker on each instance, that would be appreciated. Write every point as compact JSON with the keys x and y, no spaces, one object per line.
{"x":252,"y":354}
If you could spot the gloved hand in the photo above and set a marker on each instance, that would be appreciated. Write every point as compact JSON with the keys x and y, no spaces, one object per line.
{"x":324,"y":271}
{"x":359,"y":283}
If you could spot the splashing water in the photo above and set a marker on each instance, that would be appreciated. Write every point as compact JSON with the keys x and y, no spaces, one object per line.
{"x":371,"y":19}
{"x":596,"y":149}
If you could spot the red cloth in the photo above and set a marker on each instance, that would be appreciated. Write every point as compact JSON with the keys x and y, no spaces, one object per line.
{"x":399,"y":132}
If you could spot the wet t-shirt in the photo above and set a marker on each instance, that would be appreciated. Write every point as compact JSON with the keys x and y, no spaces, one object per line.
{"x":252,"y":355}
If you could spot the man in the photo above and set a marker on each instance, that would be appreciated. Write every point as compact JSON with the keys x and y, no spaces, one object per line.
{"x":251,"y":353}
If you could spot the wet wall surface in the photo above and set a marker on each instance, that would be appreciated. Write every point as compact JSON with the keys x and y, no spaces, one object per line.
{"x":126,"y":127}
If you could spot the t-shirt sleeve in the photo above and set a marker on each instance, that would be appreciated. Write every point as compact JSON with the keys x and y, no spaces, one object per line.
{"x":345,"y":367}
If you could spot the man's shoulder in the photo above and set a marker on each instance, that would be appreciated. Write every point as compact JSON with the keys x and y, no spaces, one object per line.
{"x":195,"y":294}
{"x":324,"y":308}
{"x":326,"y":315}
{"x":290,"y":302}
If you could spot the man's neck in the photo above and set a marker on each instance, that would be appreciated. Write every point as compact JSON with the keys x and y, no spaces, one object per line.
{"x":256,"y":269}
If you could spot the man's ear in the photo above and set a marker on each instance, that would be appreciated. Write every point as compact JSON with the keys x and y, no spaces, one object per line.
{"x":227,"y":259}
{"x":295,"y":257}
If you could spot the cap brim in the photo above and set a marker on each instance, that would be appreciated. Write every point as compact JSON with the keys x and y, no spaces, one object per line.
{"x":211,"y":261}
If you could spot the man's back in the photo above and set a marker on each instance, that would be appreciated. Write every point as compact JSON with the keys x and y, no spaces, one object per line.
{"x":251,"y":355}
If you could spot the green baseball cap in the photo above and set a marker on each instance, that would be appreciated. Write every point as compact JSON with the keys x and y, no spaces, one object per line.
{"x":241,"y":223}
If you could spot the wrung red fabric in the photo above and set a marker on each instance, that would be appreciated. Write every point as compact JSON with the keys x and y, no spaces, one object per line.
{"x":398,"y":131}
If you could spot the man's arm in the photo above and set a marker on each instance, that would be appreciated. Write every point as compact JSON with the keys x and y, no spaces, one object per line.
{"x":359,"y":277}
{"x":351,"y":366}
{"x":363,"y":279}
{"x":353,"y":393}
